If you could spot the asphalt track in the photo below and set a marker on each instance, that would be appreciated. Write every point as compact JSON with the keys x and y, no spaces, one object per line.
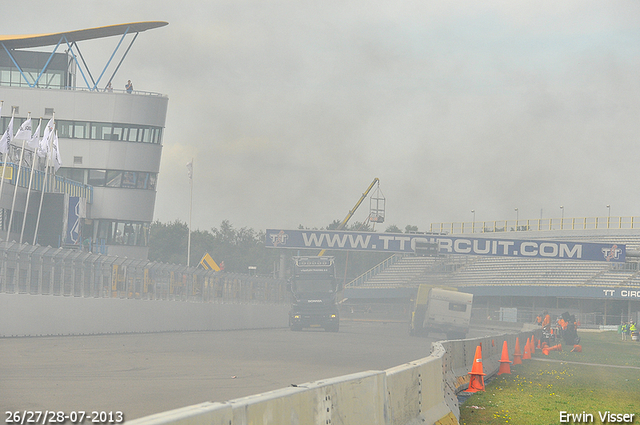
{"x":142,"y":374}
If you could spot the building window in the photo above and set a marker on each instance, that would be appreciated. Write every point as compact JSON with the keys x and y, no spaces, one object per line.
{"x":52,"y":78}
{"x":75,"y":174}
{"x":97,"y":131}
{"x":65,"y":129}
{"x":114,"y":178}
{"x":111,"y":178}
{"x":142,"y":181}
{"x":101,"y":131}
{"x":107,"y":131}
{"x":80,"y":130}
{"x":129,"y":179}
{"x":118,"y":133}
{"x":97,"y":177}
{"x":113,"y":232}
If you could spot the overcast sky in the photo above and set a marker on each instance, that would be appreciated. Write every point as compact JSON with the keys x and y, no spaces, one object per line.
{"x":290,"y":109}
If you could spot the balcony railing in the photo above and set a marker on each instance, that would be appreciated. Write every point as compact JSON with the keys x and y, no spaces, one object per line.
{"x":50,"y":183}
{"x":24,"y":85}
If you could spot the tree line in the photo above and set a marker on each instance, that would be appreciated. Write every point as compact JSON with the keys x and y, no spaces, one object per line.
{"x":242,"y":248}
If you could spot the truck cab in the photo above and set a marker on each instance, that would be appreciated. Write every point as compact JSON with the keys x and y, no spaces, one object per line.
{"x":314,"y":290}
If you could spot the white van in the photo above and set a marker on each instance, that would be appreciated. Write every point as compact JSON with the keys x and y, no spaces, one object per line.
{"x":441,"y":310}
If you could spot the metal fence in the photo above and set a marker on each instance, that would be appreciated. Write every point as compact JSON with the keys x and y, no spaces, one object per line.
{"x":581,"y":223}
{"x":28,"y":269}
{"x":592,"y":320}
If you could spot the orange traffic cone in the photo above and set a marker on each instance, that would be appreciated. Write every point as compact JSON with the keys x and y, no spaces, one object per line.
{"x":538,"y":347}
{"x":527,"y":350}
{"x":533,"y":345}
{"x":476,"y":382}
{"x":576,"y":348}
{"x":504,"y":360}
{"x":517,"y":355}
{"x":556,"y":348}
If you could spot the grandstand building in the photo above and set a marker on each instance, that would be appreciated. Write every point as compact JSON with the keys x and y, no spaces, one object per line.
{"x":597,"y":292}
{"x":110,"y":141}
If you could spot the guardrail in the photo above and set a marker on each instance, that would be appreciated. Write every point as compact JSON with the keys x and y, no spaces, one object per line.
{"x":423,"y":391}
{"x":542,"y":224}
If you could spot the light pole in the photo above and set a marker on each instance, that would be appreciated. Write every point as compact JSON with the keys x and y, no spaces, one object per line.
{"x":562,"y":219}
{"x":473,"y":223}
{"x":190,"y":174}
{"x":516,"y":219}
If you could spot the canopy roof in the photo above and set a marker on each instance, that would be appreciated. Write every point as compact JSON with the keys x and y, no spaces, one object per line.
{"x":40,"y":40}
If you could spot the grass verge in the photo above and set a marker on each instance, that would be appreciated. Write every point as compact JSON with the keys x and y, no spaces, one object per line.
{"x":537,"y":391}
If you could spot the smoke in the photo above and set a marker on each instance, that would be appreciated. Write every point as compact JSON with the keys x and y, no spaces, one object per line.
{"x":290,"y":109}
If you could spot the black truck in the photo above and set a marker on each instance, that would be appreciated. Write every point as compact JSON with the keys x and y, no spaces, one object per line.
{"x":314,"y":289}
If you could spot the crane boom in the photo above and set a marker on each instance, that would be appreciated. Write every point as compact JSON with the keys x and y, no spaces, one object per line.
{"x":352,"y":211}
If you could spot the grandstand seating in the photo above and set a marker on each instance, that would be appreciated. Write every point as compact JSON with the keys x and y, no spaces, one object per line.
{"x":520,"y":271}
{"x":402,"y":273}
{"x":461,"y":270}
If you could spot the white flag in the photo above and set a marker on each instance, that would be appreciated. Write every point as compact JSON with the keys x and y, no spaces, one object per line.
{"x":190,"y":169}
{"x":43,"y":150}
{"x":34,"y":142}
{"x":24,"y":132}
{"x":57,"y":159}
{"x":6,"y":138}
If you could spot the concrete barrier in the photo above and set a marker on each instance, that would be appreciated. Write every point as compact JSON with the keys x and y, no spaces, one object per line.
{"x":198,"y":414}
{"x":412,"y":394}
{"x":357,"y":399}
{"x":419,"y":392}
{"x":35,"y":315}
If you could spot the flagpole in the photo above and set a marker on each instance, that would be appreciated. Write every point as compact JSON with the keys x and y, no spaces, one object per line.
{"x":15,"y":191}
{"x":17,"y":177}
{"x":190,"y":167}
{"x":46,"y":175}
{"x":26,"y":207}
{"x":6,"y":154}
{"x":44,"y":188}
{"x":33,"y":167}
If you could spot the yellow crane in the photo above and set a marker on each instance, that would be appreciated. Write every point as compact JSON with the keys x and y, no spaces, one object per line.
{"x":379,"y":212}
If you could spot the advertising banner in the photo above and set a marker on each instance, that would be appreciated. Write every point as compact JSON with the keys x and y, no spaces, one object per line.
{"x":595,"y":292}
{"x":407,"y":242}
{"x":72,"y":233}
